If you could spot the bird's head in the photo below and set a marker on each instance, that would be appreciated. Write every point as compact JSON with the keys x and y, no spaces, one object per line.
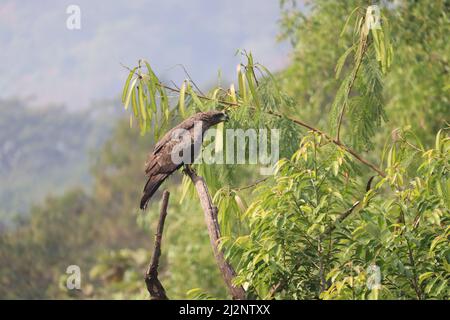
{"x":214,"y":117}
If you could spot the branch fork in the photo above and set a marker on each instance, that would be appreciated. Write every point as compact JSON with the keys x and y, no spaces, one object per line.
{"x":154,"y":286}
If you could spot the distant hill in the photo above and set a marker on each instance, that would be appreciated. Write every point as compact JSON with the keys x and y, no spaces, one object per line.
{"x":46,"y":150}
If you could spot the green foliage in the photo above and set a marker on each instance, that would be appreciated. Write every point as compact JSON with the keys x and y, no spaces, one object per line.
{"x":405,"y":234}
{"x":299,"y":244}
{"x":415,"y":88}
{"x":372,"y":57}
{"x":417,"y":85}
{"x":288,"y":244}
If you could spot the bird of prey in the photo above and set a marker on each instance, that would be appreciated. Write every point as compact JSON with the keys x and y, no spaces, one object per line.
{"x":160,"y":162}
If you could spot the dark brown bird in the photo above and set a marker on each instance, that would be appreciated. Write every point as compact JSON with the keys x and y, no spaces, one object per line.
{"x":160,"y":162}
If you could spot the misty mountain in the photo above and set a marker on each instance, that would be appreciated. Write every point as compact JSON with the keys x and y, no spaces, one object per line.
{"x":47,"y":150}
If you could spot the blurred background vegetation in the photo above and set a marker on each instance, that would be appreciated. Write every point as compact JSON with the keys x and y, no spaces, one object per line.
{"x":71,"y":181}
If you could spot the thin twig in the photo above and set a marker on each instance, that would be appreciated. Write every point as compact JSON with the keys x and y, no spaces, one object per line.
{"x":174,"y":84}
{"x":344,"y":215}
{"x":190,"y":79}
{"x":251,"y":185}
{"x":154,"y":286}
{"x":187,"y":75}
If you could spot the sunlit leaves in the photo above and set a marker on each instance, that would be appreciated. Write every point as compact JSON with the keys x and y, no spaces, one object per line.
{"x":198,"y":104}
{"x":242,"y":85}
{"x":181,"y":102}
{"x":405,"y":234}
{"x":140,"y":89}
{"x":130,"y":91}
{"x":382,"y":44}
{"x":342,"y":60}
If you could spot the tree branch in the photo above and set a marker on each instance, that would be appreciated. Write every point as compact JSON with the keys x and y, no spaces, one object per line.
{"x":344,"y":215}
{"x":254,"y":184}
{"x":154,"y":286}
{"x":210,"y":213}
{"x":341,"y":218}
{"x":336,"y":142}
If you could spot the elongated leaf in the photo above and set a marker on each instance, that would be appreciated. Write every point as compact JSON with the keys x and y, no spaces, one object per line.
{"x":181,"y":101}
{"x":269,"y":74}
{"x":233,"y":94}
{"x":149,"y":68}
{"x":130,"y":91}
{"x":242,"y":87}
{"x":240,"y":203}
{"x":215,"y":92}
{"x":252,"y":86}
{"x":341,"y":61}
{"x":127,"y":84}
{"x":219,"y":138}
{"x":195,"y":98}
{"x":134,"y":105}
{"x":164,"y":103}
{"x":347,"y":21}
{"x":142,"y":104}
{"x":438,"y":141}
{"x":152,"y":87}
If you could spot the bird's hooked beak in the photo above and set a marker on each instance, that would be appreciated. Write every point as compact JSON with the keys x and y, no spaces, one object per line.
{"x":225,"y":117}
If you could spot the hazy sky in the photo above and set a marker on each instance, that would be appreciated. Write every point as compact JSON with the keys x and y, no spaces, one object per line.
{"x":41,"y":59}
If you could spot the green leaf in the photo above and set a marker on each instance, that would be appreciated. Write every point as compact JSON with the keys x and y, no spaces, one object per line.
{"x":134,"y":104}
{"x":142,"y":104}
{"x":242,"y":87}
{"x":130,"y":91}
{"x":181,"y":102}
{"x":252,"y":87}
{"x":127,"y":83}
{"x":391,"y":158}
{"x":164,"y":103}
{"x":240,"y":203}
{"x":425,"y":276}
{"x":341,"y":61}
{"x":219,"y":138}
{"x":233,"y":94}
{"x":438,"y":141}
{"x":347,"y":21}
{"x":195,"y":98}
{"x":152,"y":87}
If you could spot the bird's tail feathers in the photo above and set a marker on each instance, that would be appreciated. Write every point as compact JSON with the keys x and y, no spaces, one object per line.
{"x":150,"y":188}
